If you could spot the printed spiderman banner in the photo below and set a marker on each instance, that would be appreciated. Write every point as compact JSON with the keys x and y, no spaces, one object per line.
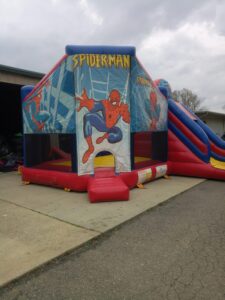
{"x":51,"y":108}
{"x":101,"y":98}
{"x":102,"y":114}
{"x":148,"y":106}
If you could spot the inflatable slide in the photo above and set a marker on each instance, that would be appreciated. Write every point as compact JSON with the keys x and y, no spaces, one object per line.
{"x":193,"y":148}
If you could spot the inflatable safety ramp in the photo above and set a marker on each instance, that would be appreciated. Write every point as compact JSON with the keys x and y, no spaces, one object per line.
{"x":107,"y":189}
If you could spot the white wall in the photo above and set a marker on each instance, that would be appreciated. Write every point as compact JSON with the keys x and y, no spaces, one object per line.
{"x":217,"y":124}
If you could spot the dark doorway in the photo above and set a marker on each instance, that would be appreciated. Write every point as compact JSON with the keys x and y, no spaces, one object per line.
{"x":10,"y":112}
{"x":10,"y":126}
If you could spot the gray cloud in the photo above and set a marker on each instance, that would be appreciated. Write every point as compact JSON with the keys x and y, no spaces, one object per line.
{"x":182,"y":41}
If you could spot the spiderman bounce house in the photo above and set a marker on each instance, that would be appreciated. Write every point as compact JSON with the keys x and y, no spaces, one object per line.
{"x":98,"y":123}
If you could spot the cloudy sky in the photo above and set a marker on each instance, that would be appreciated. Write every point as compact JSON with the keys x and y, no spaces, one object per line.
{"x":180,"y":41}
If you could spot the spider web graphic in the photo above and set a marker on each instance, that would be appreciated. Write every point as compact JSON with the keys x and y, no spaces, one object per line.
{"x":94,"y":90}
{"x":100,"y":88}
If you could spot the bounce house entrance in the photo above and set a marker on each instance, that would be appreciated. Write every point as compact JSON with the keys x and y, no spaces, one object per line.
{"x":105,"y":184}
{"x":104,"y":164}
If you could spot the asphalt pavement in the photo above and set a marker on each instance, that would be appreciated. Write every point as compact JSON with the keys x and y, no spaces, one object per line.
{"x":173,"y":251}
{"x":40,"y":223}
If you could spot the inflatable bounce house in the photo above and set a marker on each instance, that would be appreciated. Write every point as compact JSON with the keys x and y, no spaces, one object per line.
{"x":98,"y":123}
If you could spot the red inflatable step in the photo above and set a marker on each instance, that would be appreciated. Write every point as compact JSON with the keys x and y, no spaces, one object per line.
{"x":107,"y":189}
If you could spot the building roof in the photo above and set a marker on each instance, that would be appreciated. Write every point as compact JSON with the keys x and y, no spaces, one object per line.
{"x":207,"y":113}
{"x":23,"y":72}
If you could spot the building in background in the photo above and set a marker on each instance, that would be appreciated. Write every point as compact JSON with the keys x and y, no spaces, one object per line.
{"x":11,"y":81}
{"x":215,"y":120}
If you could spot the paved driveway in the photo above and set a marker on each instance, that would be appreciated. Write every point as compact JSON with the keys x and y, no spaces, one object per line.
{"x":174,"y":251}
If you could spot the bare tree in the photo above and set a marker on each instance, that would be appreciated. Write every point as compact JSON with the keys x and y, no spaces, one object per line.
{"x":188,"y":98}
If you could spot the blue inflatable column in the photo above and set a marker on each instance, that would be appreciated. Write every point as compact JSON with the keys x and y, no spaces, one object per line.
{"x":25,"y":90}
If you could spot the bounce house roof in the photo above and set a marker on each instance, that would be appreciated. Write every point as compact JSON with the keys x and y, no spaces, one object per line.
{"x":122,"y":50}
{"x":80,"y":49}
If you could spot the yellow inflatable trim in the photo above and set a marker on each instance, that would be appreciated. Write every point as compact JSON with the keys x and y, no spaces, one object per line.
{"x":217,"y":163}
{"x":100,"y":161}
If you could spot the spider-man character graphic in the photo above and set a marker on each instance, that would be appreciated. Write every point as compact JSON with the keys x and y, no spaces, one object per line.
{"x":103,"y":115}
{"x":39,"y":116}
{"x":155,"y":110}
